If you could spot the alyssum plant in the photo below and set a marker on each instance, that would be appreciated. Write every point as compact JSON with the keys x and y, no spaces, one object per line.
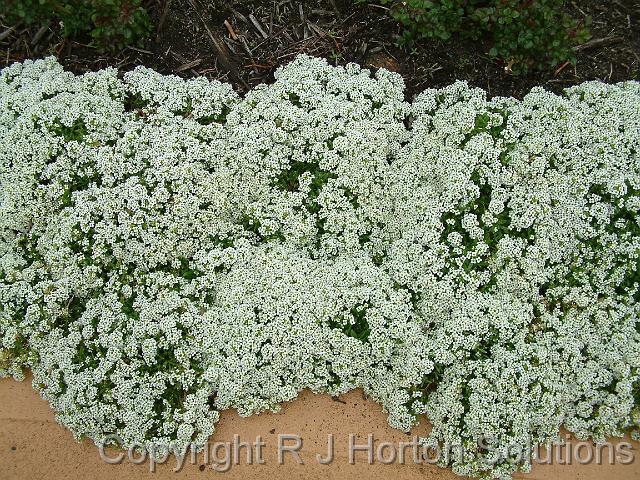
{"x":169,"y":249}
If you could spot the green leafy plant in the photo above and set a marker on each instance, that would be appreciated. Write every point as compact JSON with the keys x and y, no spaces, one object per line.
{"x":526,"y":34}
{"x":111,"y":24}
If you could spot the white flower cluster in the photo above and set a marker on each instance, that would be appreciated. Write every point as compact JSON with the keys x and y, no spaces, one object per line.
{"x":169,"y":249}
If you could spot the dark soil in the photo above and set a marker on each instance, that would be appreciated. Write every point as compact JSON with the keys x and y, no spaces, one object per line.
{"x":243,"y":42}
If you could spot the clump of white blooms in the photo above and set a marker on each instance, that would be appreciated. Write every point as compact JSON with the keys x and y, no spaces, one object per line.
{"x":169,"y":249}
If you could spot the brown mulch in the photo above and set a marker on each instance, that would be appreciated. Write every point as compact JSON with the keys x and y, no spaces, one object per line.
{"x":243,"y":42}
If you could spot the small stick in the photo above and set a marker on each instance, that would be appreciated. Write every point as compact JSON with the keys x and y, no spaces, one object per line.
{"x":39,"y":34}
{"x":230,"y":29}
{"x":306,"y":33}
{"x":562,"y":67}
{"x":316,"y":28}
{"x":579,"y":9}
{"x":243,"y":41}
{"x":7,"y":32}
{"x":322,"y":12}
{"x":178,"y":57}
{"x":597,"y":42}
{"x":257,"y":65}
{"x":140,"y":50}
{"x":240,"y":16}
{"x":378,"y":6}
{"x":189,"y":65}
{"x":231,"y":44}
{"x":256,"y":24}
{"x":163,"y":18}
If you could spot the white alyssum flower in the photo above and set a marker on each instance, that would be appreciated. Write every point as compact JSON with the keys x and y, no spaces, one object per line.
{"x":169,"y":249}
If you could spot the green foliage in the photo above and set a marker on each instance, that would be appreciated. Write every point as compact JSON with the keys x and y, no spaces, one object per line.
{"x":15,"y":357}
{"x":420,"y":393}
{"x":111,"y":24}
{"x":288,"y":180}
{"x":75,"y":132}
{"x":526,"y":34}
{"x":354,"y":325}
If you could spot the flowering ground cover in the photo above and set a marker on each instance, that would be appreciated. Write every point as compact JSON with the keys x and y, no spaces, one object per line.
{"x":170,"y":249}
